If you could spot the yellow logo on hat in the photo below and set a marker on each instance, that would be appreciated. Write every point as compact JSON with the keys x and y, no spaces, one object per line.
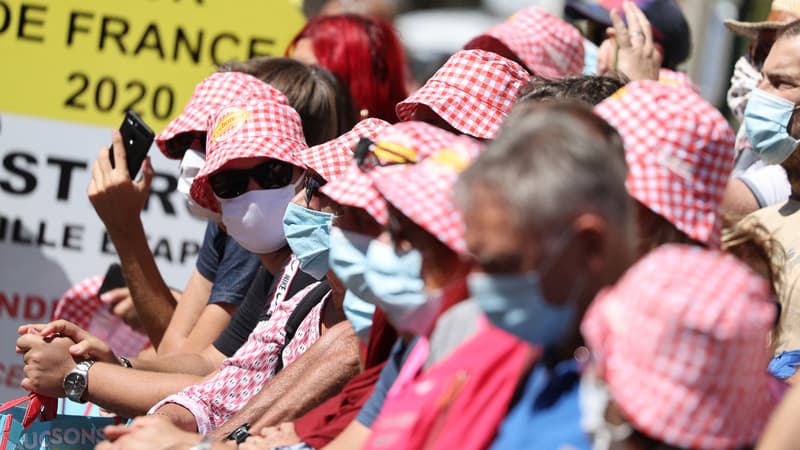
{"x":620,"y":93}
{"x":231,"y":122}
{"x":450,"y":158}
{"x":394,"y":153}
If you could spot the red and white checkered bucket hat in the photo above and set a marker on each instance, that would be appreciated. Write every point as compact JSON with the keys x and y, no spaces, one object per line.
{"x":548,"y":46}
{"x":678,"y":148}
{"x":210,"y":95}
{"x":681,"y":342}
{"x":677,"y":78}
{"x":474,"y":92}
{"x":331,"y":159}
{"x":355,"y":187}
{"x":424,"y":192}
{"x":256,"y":128}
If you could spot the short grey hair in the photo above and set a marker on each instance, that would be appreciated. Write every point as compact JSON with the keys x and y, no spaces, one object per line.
{"x":551,"y":162}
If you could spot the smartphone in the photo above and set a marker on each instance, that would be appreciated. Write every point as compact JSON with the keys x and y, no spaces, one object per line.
{"x":138,"y":138}
{"x":112,"y":280}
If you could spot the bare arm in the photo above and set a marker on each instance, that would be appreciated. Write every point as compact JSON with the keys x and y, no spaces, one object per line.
{"x":781,"y":430}
{"x":195,"y":324}
{"x":119,"y":202}
{"x":131,"y":392}
{"x":314,"y":377}
{"x":738,"y":201}
{"x":201,"y":363}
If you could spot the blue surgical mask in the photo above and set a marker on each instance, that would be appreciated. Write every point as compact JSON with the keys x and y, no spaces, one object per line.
{"x":348,"y":259}
{"x":766,"y":120}
{"x":308,"y":234}
{"x":395,"y":279}
{"x":359,"y":314}
{"x":516,"y":304}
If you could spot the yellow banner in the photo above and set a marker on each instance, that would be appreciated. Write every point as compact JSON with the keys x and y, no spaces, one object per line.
{"x":90,"y":60}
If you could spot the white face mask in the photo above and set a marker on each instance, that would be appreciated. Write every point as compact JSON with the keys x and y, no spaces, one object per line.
{"x":255,"y":218}
{"x":593,"y":397}
{"x":745,"y":78}
{"x":191,"y":164}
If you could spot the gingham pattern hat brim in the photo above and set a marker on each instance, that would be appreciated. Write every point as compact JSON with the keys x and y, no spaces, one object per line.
{"x":332,"y":158}
{"x":254,"y":129}
{"x":210,"y":95}
{"x":681,"y":341}
{"x":677,"y":78}
{"x":473,"y":91}
{"x":423,"y":192}
{"x":549,"y":46}
{"x":679,"y":151}
{"x":355,"y":189}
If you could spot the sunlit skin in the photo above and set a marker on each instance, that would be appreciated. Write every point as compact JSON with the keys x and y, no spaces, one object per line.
{"x":781,"y":77}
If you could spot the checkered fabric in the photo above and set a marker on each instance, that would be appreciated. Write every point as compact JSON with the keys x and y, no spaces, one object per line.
{"x":474,"y":92}
{"x":424,"y":192}
{"x":210,"y":95}
{"x":256,"y":128}
{"x":355,"y":187}
{"x":332,"y":158}
{"x":243,"y":375}
{"x":677,"y":78}
{"x":681,"y":341}
{"x":679,"y":152}
{"x":81,"y":306}
{"x":548,"y":46}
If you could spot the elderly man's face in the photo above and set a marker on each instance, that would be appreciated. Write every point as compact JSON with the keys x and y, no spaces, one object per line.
{"x":782,"y":74}
{"x":501,"y":247}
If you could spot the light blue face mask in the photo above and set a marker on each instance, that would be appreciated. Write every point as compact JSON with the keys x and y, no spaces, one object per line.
{"x":347,"y":259}
{"x":395,"y":279}
{"x":516,"y":304}
{"x":766,"y":121}
{"x":359,"y":314}
{"x":308,"y":234}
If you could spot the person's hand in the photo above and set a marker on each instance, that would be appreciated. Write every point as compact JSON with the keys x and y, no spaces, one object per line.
{"x":87,"y":345}
{"x":117,"y":199}
{"x":147,"y":433}
{"x":47,"y":362}
{"x":630,"y":49}
{"x":121,"y":304}
{"x":269,"y":437}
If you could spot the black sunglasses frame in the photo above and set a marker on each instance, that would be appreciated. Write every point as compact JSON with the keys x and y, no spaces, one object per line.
{"x":271,"y":174}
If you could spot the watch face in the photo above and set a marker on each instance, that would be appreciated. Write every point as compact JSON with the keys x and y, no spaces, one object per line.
{"x":74,"y":385}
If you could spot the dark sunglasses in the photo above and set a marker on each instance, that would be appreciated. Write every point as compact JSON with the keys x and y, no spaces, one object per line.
{"x":271,"y":174}
{"x":365,"y":156}
{"x":184,"y":141}
{"x":312,"y":185}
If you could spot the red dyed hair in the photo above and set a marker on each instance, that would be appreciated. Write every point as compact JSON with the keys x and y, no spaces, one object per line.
{"x":366,"y":54}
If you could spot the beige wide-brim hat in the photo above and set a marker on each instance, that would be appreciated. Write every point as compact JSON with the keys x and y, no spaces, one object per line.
{"x":750,"y":29}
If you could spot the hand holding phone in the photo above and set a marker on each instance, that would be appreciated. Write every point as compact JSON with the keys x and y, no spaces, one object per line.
{"x":137,"y":138}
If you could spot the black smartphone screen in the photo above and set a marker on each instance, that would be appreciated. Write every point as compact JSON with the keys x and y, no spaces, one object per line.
{"x":112,"y":280}
{"x":138,"y":138}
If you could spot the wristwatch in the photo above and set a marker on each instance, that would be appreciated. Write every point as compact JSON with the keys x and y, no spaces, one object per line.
{"x":76,"y":381}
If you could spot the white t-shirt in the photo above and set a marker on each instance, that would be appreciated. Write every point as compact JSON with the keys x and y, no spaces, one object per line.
{"x":768,"y":182}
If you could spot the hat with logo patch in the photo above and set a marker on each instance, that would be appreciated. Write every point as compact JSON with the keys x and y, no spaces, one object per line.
{"x":331,"y":159}
{"x":210,"y":95}
{"x":252,"y":128}
{"x":679,"y":151}
{"x":398,"y":144}
{"x":424,"y":192}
